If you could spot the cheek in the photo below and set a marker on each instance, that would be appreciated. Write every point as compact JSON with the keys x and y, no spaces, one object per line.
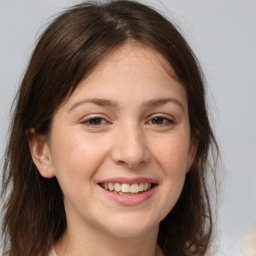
{"x":74,"y":150}
{"x":172,"y":154}
{"x":75,"y":158}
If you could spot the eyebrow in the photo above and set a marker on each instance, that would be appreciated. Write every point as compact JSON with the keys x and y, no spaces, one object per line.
{"x":163,"y":101}
{"x":96,"y":101}
{"x":110,"y":103}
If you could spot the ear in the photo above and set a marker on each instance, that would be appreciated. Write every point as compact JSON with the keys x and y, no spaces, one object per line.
{"x":40,"y":153}
{"x":192,"y":152}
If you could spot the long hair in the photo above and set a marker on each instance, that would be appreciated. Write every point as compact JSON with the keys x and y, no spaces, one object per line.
{"x":68,"y":50}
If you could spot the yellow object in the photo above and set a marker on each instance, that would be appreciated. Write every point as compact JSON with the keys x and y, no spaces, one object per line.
{"x":248,"y":244}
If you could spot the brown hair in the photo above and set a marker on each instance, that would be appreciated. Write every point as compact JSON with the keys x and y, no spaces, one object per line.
{"x":72,"y":45}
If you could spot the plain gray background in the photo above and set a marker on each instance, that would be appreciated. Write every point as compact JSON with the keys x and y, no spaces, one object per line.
{"x":222,"y":34}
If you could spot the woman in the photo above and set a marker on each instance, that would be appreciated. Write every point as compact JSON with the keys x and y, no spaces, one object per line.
{"x":114,"y":132}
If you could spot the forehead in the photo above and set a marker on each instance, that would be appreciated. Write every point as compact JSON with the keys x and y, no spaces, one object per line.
{"x":135,"y":57}
{"x":133,"y":71}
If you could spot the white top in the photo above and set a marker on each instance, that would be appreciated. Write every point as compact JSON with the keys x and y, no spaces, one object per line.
{"x":52,"y":253}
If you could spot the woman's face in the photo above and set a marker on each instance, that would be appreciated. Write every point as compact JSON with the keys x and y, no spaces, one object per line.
{"x":120,"y":146}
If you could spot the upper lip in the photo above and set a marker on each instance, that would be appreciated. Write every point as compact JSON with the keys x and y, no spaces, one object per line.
{"x":129,"y":181}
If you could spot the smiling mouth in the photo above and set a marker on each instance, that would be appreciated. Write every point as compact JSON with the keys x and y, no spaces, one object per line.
{"x":127,"y":189}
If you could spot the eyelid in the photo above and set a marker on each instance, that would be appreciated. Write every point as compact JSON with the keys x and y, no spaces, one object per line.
{"x":162,"y":115}
{"x":85,"y":120}
{"x":168,"y":121}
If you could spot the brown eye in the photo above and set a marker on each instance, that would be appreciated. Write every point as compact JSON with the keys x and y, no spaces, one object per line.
{"x":157,"y":120}
{"x":161,"y":121}
{"x":95,"y":121}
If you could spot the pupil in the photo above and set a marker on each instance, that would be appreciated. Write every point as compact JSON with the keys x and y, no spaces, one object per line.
{"x":157,"y":120}
{"x":95,"y":121}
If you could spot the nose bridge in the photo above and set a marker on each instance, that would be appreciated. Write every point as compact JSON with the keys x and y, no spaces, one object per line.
{"x":130,"y":145}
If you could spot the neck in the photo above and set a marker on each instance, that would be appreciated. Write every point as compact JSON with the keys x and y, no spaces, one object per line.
{"x":79,"y":242}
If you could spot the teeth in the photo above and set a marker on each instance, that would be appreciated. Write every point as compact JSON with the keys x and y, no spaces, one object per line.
{"x":134,"y":188}
{"x":110,"y":187}
{"x":117,"y":187}
{"x":141,"y":187}
{"x":126,"y":188}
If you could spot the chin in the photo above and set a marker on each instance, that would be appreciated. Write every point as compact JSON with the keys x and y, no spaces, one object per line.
{"x":131,"y":227}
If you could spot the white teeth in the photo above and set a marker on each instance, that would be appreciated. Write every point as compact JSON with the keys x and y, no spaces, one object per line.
{"x":110,"y":187}
{"x":141,"y":187}
{"x":117,"y":187}
{"x":134,"y":188}
{"x":126,"y":188}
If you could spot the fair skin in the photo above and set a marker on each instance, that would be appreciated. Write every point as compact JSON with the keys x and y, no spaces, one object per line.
{"x":126,"y":124}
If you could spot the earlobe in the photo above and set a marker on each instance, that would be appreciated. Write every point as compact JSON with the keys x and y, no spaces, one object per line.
{"x":40,"y":153}
{"x":192,"y":153}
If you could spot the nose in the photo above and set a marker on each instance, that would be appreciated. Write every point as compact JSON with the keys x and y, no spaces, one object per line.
{"x":130,"y":147}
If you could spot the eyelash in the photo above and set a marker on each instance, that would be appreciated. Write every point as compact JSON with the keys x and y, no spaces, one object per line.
{"x":165,"y":121}
{"x":97,"y":121}
{"x":89,"y":122}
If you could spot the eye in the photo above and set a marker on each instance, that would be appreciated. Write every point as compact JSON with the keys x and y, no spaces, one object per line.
{"x":161,"y":121}
{"x":94,"y":121}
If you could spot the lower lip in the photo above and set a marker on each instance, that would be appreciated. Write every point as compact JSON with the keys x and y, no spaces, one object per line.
{"x":130,"y":200}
